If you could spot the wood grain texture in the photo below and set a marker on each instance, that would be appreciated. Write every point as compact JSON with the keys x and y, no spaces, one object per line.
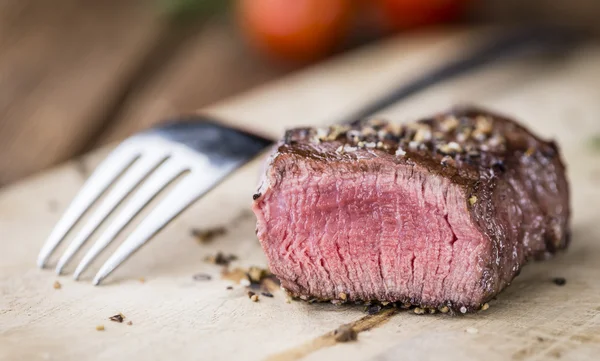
{"x":126,"y":67}
{"x":332,"y":338}
{"x":175,"y":317}
{"x":210,"y":65}
{"x":62,"y":63}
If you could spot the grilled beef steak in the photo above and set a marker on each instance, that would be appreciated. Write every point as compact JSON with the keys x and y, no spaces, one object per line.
{"x":441,"y":212}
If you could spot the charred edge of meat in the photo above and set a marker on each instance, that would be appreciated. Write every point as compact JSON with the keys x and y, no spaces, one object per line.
{"x":375,"y":306}
{"x":479,"y":155}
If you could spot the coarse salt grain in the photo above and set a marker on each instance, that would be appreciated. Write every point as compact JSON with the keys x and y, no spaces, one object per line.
{"x":455,"y":146}
{"x":473,"y":200}
{"x":450,"y":123}
{"x":422,"y":134}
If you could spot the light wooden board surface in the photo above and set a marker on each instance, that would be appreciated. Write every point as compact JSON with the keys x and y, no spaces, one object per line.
{"x":175,"y":317}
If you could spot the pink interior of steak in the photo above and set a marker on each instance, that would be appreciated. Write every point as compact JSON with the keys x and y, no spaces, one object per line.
{"x":389,"y":232}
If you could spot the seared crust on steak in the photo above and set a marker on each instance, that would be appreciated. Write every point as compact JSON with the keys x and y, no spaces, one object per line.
{"x":489,"y":187}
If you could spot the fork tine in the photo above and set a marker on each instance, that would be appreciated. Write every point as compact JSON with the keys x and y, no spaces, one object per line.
{"x":109,"y":170}
{"x":165,"y":174}
{"x":132,"y":177}
{"x":184,"y":194}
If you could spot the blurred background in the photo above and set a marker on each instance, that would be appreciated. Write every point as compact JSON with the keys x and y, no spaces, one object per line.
{"x":78,"y":74}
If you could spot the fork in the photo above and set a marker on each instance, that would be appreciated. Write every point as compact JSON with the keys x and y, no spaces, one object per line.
{"x":202,"y":153}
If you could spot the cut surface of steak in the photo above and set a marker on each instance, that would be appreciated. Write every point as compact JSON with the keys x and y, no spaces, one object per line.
{"x":440,"y":212}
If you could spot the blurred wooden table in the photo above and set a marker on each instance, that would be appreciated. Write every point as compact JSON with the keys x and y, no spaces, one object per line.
{"x":76,"y":74}
{"x":177,"y":318}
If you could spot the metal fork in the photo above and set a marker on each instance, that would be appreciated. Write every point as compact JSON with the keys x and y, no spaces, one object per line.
{"x":204,"y":152}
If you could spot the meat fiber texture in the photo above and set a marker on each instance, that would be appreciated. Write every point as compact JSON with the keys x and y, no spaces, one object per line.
{"x":439,"y":213}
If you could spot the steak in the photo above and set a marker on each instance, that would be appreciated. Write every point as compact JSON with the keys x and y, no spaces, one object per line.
{"x":442,"y":212}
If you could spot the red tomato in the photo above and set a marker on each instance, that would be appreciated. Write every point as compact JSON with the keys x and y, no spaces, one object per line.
{"x":299,"y":30}
{"x":404,"y":14}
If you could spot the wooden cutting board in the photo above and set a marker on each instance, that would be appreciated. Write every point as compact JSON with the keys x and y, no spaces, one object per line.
{"x":176,"y":317}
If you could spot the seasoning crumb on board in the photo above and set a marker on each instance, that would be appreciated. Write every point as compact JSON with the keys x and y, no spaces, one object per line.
{"x":100,"y":328}
{"x":57,"y":285}
{"x":255,"y":279}
{"x":485,"y":306}
{"x":204,"y":236}
{"x":129,"y":323}
{"x":221,"y":259}
{"x":257,"y":274}
{"x":142,"y":279}
{"x":253,"y":296}
{"x":472,"y":330}
{"x":559,"y":281}
{"x":253,"y":275}
{"x":345,"y":333}
{"x":373,"y":309}
{"x":117,"y":318}
{"x":201,"y":277}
